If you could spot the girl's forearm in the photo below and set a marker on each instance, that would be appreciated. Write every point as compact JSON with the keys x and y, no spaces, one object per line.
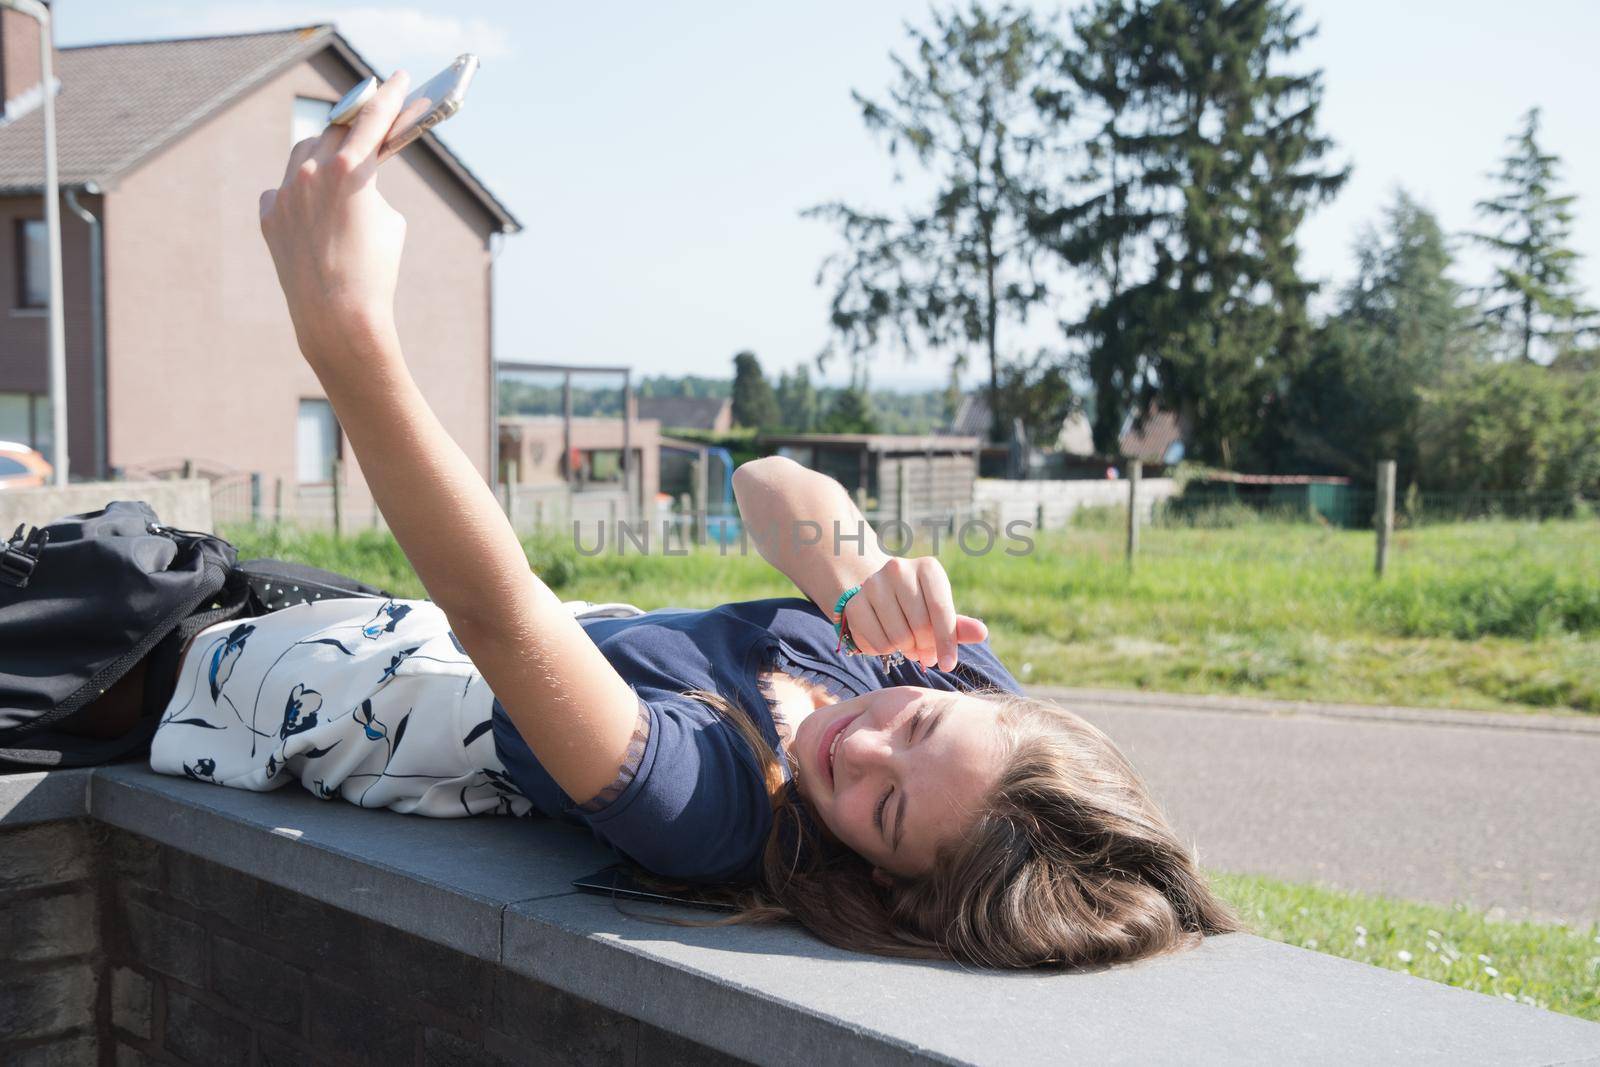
{"x":438,"y":506}
{"x":806,"y":525}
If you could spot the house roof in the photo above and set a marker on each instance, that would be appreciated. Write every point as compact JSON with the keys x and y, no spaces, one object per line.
{"x":118,"y":104}
{"x":876,"y":442}
{"x":1151,"y":440}
{"x":1076,"y":437}
{"x":693,"y":412}
{"x":972,"y":415}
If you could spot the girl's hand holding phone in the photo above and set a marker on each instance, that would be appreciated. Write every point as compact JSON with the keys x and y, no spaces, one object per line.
{"x":334,"y":240}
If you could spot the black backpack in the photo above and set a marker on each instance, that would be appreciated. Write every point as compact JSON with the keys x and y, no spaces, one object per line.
{"x":88,"y":598}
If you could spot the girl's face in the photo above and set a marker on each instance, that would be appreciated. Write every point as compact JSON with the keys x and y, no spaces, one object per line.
{"x":896,"y":773}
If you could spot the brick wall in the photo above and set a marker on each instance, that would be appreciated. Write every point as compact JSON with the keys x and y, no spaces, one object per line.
{"x":122,"y":951}
{"x":50,"y":962}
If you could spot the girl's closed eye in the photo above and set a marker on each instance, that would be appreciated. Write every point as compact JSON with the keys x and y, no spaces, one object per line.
{"x":888,"y":794}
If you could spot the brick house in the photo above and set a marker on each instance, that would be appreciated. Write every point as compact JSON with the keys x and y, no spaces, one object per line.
{"x":167,"y":144}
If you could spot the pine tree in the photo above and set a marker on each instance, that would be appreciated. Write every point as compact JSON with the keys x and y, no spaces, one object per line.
{"x":1534,"y":300}
{"x":1202,"y":159}
{"x":754,"y":406}
{"x":797,"y":400}
{"x":850,"y":412}
{"x":953,"y":274}
{"x":1400,"y":329}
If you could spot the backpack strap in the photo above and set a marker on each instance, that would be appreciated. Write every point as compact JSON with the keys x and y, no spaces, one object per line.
{"x":21,"y":554}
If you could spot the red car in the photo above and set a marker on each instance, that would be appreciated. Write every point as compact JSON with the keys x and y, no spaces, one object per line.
{"x":21,"y":467}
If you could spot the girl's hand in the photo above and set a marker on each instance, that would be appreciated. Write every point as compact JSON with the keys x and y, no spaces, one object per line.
{"x":335,"y":241}
{"x":906,"y":606}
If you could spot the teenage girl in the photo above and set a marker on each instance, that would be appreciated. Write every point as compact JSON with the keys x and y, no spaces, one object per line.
{"x":908,"y":801}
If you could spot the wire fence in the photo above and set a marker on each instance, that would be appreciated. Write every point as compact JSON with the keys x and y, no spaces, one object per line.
{"x":601,"y":517}
{"x":1356,"y":507}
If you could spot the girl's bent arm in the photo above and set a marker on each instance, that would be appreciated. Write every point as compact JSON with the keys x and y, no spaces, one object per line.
{"x":336,"y":245}
{"x":806,"y":525}
{"x":794,"y":514}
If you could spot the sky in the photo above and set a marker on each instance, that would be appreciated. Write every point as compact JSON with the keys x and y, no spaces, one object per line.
{"x":659,"y":154}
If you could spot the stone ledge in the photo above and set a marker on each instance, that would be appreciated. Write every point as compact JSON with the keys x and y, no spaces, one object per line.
{"x":44,"y":796}
{"x":498,"y":889}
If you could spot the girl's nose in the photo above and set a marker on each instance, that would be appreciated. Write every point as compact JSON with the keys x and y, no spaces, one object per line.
{"x":863,"y":750}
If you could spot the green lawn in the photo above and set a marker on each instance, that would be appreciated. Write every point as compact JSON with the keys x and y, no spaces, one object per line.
{"x":1490,"y":615}
{"x":1551,"y":966}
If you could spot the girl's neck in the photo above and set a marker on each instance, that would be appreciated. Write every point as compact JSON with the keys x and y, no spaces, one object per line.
{"x":791,"y":700}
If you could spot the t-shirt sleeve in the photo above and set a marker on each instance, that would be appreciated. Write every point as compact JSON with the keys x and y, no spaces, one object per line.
{"x":696,"y":808}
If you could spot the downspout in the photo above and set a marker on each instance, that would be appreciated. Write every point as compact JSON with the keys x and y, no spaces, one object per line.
{"x":97,"y":319}
{"x":494,"y":374}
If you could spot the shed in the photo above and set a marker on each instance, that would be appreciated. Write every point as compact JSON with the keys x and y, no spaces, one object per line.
{"x":904,"y":476}
{"x":1331,"y":497}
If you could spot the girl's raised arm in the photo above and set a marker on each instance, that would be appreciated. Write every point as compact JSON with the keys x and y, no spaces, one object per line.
{"x":336,"y":244}
{"x":806,"y":525}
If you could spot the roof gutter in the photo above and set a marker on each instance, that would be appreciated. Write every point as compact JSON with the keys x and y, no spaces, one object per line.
{"x":97,"y":317}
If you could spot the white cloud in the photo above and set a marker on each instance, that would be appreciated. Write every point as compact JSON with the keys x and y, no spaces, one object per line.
{"x":389,"y":36}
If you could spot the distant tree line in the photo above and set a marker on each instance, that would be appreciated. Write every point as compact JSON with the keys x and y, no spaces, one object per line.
{"x":1139,"y":171}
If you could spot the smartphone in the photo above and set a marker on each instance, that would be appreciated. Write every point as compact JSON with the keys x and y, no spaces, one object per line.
{"x":428,"y":105}
{"x":615,"y":881}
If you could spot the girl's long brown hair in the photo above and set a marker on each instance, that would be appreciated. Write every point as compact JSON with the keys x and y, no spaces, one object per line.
{"x":1069,"y":862}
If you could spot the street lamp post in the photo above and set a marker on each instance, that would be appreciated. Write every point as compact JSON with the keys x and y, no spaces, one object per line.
{"x":52,"y":224}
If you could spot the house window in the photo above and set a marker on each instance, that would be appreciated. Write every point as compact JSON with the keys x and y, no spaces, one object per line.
{"x":25,"y":419}
{"x":310,"y":118}
{"x":33,"y":264}
{"x":316,"y":442}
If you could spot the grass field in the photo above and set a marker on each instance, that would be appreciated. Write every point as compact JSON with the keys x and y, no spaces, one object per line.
{"x":1488,"y":615}
{"x":1550,"y":966}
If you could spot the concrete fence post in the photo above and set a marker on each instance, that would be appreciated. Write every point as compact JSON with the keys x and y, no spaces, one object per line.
{"x":277,"y":500}
{"x":338,"y":499}
{"x":1383,"y":516}
{"x":1135,"y":475}
{"x":255,"y":496}
{"x":509,"y":474}
{"x":699,"y":491}
{"x":902,"y":494}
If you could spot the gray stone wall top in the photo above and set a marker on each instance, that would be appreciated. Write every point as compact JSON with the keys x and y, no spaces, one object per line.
{"x":183,"y":503}
{"x":44,"y":796}
{"x":499,"y":889}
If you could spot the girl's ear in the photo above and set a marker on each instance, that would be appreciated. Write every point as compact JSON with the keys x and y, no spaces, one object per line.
{"x":882,"y":878}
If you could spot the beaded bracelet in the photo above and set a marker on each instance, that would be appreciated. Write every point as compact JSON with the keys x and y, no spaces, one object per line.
{"x":847,"y":644}
{"x":841,"y":631}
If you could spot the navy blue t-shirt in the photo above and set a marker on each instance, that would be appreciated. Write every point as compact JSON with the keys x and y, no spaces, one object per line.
{"x":697,"y":808}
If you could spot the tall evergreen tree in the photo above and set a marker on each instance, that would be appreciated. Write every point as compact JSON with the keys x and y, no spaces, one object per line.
{"x":1400,"y":328}
{"x":1534,"y":298}
{"x":1202,"y":159}
{"x":955,"y":272}
{"x":753,"y":403}
{"x":797,"y":400}
{"x":1097,"y":227}
{"x":850,"y":411}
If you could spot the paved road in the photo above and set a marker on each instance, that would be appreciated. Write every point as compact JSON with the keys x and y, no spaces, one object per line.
{"x":1502,"y":816}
